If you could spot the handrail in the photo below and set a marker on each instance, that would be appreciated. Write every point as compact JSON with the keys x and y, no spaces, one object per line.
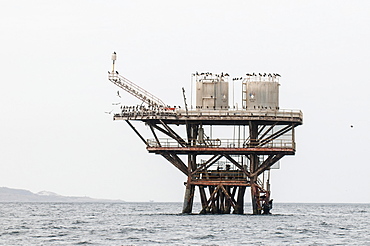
{"x":221,"y":143}
{"x":142,"y":111}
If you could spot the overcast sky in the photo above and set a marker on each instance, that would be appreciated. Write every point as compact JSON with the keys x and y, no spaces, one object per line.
{"x":54,"y":58}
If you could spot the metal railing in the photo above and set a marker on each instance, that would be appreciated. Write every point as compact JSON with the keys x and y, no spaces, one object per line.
{"x":143,"y":112}
{"x":219,"y":175}
{"x":243,"y":112}
{"x":221,"y":143}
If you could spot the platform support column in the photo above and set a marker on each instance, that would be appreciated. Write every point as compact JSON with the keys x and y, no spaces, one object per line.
{"x":227,"y":201}
{"x":190,"y":189}
{"x":254,"y":162}
{"x":203,"y":199}
{"x":188,"y":199}
{"x":239,"y":208}
{"x":254,"y":196}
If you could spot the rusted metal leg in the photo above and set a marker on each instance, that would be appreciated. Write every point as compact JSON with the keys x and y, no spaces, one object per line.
{"x":203,"y":199}
{"x":239,"y":208}
{"x":189,"y":192}
{"x":214,"y":202}
{"x":209,"y":207}
{"x":260,"y":199}
{"x":233,"y":193}
{"x":188,"y":199}
{"x":222,"y":202}
{"x":212,"y":208}
{"x":254,"y":163}
{"x":227,"y":201}
{"x":254,"y":198}
{"x":217,"y":203}
{"x":218,"y":200}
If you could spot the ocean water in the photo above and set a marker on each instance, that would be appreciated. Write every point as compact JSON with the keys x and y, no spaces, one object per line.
{"x":163,"y":224}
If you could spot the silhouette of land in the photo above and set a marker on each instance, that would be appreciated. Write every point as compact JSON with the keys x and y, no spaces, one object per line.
{"x":20,"y":195}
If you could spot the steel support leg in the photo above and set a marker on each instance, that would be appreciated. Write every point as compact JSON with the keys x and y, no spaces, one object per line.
{"x":203,"y":199}
{"x":188,"y":199}
{"x":227,"y":201}
{"x":239,"y":208}
{"x":254,"y":197}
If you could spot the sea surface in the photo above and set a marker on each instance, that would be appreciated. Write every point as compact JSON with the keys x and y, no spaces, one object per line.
{"x":163,"y":224}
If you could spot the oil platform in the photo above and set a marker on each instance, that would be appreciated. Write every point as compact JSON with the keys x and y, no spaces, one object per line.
{"x":222,"y":149}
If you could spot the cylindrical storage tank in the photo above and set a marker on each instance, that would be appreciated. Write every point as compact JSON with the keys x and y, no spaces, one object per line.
{"x":262,"y":95}
{"x":212,"y":93}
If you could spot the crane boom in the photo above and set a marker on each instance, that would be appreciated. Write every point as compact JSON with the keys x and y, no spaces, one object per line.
{"x":134,"y":89}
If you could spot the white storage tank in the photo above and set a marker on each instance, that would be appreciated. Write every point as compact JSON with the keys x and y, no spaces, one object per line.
{"x":260,"y":93}
{"x":212,"y":91}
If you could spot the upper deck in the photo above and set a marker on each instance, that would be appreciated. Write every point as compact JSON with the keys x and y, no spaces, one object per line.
{"x":210,"y":117}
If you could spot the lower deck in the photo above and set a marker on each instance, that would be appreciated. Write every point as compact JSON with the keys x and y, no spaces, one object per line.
{"x":208,"y":151}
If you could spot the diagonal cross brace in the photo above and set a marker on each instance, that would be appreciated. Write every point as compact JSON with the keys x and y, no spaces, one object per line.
{"x":155,"y":135}
{"x":176,"y":161}
{"x":238,"y":165}
{"x":182,"y":143}
{"x":275,"y":135}
{"x":133,"y":128}
{"x":266,"y":132}
{"x":211,"y":198}
{"x":174,"y":135}
{"x":271,"y":160}
{"x":208,"y":163}
{"x":230,"y":198}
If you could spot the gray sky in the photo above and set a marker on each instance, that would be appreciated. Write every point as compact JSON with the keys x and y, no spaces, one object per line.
{"x":54,"y":58}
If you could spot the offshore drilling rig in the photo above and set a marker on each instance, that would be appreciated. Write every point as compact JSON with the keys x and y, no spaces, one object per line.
{"x":221,"y":149}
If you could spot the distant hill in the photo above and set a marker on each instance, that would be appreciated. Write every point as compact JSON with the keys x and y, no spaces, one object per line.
{"x":19,"y":195}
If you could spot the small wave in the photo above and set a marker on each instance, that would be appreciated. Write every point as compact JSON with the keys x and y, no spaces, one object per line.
{"x":11,"y":233}
{"x":344,"y":228}
{"x":83,"y":243}
{"x":79,"y":222}
{"x":204,"y":237}
{"x":134,"y":238}
{"x":303,"y":231}
{"x":133,"y":229}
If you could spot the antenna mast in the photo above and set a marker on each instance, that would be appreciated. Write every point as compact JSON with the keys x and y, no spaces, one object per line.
{"x":186,"y":105}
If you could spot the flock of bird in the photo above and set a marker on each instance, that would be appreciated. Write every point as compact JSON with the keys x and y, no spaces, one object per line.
{"x":264,"y":74}
{"x":207,"y":73}
{"x":226,"y":74}
{"x":138,"y":107}
{"x":141,"y":108}
{"x":271,"y":75}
